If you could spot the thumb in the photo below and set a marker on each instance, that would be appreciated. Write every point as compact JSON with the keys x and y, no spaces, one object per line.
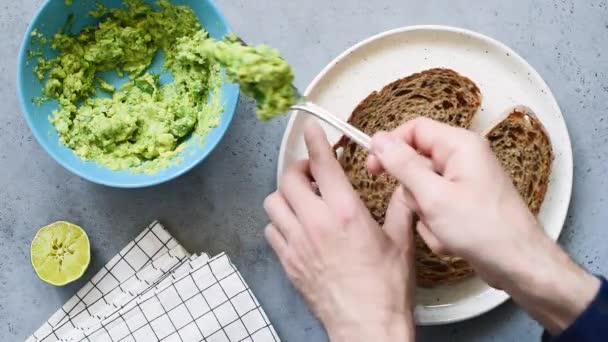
{"x":404,"y":163}
{"x":399,"y":220}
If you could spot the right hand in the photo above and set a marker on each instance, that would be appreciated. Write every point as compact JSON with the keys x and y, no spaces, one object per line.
{"x":468,"y":207}
{"x":466,"y":203}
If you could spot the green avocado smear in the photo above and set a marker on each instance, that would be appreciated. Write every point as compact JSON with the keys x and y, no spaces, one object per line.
{"x":260,"y":71}
{"x":144,"y":124}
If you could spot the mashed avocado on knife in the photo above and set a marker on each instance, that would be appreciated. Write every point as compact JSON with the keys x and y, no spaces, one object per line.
{"x":143,"y":124}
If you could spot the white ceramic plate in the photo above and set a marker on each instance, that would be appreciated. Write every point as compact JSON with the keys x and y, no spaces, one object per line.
{"x":505,"y":80}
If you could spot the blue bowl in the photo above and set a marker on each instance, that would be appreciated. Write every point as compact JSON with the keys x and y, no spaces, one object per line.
{"x":51,"y":18}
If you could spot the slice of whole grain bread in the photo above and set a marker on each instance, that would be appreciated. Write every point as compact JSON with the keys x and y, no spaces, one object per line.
{"x":523,"y":147}
{"x":440,"y":94}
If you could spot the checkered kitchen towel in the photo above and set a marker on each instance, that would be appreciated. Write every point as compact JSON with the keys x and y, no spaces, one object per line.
{"x":154,"y":290}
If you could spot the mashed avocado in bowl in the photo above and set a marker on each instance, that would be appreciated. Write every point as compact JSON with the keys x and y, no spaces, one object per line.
{"x":139,"y":94}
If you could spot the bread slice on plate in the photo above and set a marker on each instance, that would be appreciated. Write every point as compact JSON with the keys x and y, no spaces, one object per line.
{"x":439,"y":94}
{"x":523,"y":147}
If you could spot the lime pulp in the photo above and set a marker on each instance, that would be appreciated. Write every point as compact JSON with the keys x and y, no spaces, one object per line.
{"x":60,"y":253}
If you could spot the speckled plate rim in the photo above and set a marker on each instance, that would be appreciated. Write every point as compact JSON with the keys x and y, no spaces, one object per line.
{"x":490,"y":298}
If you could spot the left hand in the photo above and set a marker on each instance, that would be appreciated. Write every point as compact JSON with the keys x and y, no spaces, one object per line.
{"x":357,"y":278}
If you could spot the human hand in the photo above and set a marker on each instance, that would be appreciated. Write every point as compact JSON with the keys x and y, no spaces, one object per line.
{"x":468,"y":207}
{"x":357,"y":278}
{"x":458,"y":189}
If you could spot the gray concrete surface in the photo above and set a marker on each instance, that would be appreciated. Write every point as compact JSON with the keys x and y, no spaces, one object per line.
{"x":217,"y":206}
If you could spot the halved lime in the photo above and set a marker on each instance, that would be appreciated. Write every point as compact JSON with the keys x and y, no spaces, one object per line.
{"x":60,"y":253}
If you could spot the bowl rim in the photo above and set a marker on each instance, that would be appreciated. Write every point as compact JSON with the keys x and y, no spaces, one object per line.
{"x":227,"y":115}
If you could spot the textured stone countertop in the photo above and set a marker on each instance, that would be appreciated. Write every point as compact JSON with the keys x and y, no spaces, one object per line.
{"x":218,"y":205}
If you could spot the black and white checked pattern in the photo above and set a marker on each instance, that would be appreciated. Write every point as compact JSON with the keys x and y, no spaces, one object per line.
{"x":192,"y":298}
{"x":154,"y":247}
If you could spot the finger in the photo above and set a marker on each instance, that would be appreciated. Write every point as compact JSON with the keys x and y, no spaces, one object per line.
{"x":281,"y":215}
{"x":334,"y":186}
{"x":375,"y":167}
{"x":434,"y":139}
{"x":276,"y":240}
{"x":398,"y":223}
{"x":303,"y":167}
{"x":430,"y":239}
{"x":403,"y":162}
{"x":298,"y":191}
{"x":410,"y":200}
